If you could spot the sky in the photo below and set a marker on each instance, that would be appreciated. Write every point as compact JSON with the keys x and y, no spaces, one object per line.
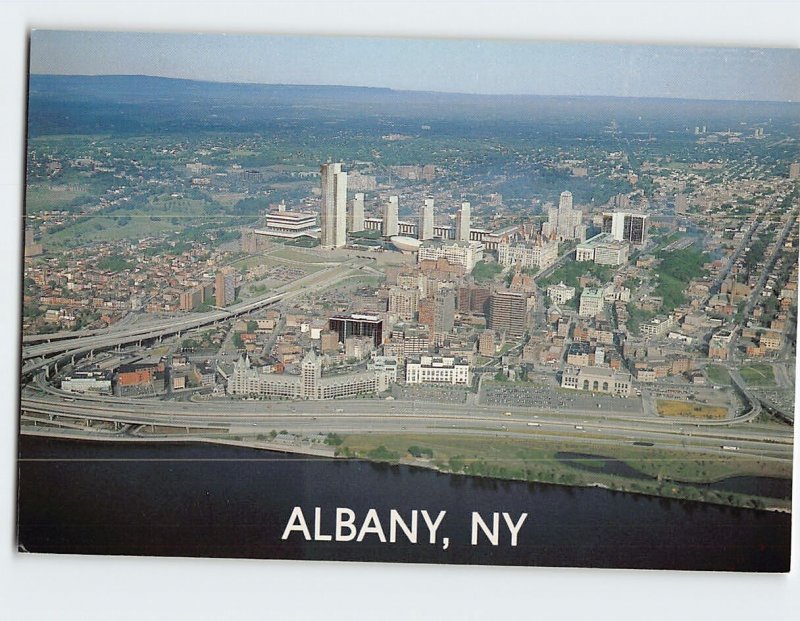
{"x":447,"y":65}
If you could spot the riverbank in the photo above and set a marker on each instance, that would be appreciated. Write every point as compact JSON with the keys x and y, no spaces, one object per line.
{"x":649,"y":471}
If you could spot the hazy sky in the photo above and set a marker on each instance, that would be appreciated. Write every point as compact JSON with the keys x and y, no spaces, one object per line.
{"x":467,"y":66}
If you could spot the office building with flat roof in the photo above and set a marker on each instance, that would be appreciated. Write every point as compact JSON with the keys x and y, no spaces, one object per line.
{"x":508,"y":313}
{"x":355,"y":217}
{"x":425,"y":227}
{"x":356,"y":324}
{"x":333,"y":212}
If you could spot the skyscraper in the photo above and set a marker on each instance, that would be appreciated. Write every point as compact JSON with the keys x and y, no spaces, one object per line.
{"x":425,"y":227}
{"x":355,"y":219}
{"x":390,"y":217}
{"x":333,"y":206}
{"x":564,"y":222}
{"x":462,"y":223}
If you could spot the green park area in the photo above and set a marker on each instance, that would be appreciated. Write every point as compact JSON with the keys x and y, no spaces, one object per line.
{"x":674,"y":273}
{"x":152,"y":218}
{"x":46,"y":197}
{"x":660,"y":472}
{"x":758,"y":374}
{"x":484,"y":271}
{"x":570,"y":272}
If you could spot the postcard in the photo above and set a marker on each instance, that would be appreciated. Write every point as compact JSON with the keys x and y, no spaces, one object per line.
{"x":409,"y":300}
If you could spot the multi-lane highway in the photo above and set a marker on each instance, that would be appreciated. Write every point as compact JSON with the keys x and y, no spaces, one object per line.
{"x":375,"y":416}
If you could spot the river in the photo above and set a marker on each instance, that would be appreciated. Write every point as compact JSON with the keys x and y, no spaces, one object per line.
{"x":219,"y":501}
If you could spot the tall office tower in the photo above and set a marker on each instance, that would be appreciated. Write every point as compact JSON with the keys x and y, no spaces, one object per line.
{"x":425,"y":228}
{"x":225,"y":287}
{"x":390,"y":217}
{"x":355,"y":218}
{"x":508,"y":312}
{"x":334,"y":206}
{"x":794,"y":170}
{"x":569,"y":219}
{"x":462,"y":223}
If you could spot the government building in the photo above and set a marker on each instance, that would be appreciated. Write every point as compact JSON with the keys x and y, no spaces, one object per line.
{"x":597,"y":379}
{"x":310,"y":384}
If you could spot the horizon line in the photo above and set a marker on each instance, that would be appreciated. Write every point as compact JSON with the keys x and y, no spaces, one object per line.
{"x":396,"y":90}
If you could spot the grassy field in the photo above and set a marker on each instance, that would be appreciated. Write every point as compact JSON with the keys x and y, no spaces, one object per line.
{"x":718,"y":375}
{"x":758,"y":374}
{"x":157,"y":217}
{"x":690,"y":410}
{"x":671,"y":472}
{"x":49,"y":198}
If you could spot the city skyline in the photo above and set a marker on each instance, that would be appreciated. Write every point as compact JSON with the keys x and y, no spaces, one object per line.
{"x":477,"y":66}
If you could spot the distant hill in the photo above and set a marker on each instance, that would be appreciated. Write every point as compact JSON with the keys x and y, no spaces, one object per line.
{"x":143,"y":104}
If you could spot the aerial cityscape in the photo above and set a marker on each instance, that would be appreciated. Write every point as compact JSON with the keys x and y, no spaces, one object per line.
{"x":575,"y":291}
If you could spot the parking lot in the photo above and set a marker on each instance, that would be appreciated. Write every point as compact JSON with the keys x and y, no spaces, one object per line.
{"x":547,"y":397}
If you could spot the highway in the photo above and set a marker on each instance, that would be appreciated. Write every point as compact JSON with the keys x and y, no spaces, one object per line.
{"x":374,"y":416}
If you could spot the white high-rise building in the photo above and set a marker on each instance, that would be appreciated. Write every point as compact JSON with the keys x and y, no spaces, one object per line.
{"x":564,"y":222}
{"x":425,"y":230}
{"x":333,"y":233}
{"x":391,"y":217}
{"x":463,"y":223}
{"x":355,"y":219}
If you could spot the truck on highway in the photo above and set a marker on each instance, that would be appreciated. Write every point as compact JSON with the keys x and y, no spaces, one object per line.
{"x":728,"y":447}
{"x":534,"y":425}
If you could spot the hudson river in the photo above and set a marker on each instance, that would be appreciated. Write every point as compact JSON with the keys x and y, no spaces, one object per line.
{"x":217,"y":501}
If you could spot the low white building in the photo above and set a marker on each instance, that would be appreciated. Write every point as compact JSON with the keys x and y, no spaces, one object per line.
{"x":87,"y":381}
{"x":560,"y":293}
{"x":438,"y":370}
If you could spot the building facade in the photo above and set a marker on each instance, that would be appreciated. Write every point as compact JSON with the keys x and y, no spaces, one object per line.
{"x":597,"y":379}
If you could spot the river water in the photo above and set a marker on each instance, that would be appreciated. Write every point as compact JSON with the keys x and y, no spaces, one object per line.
{"x":218,"y":501}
